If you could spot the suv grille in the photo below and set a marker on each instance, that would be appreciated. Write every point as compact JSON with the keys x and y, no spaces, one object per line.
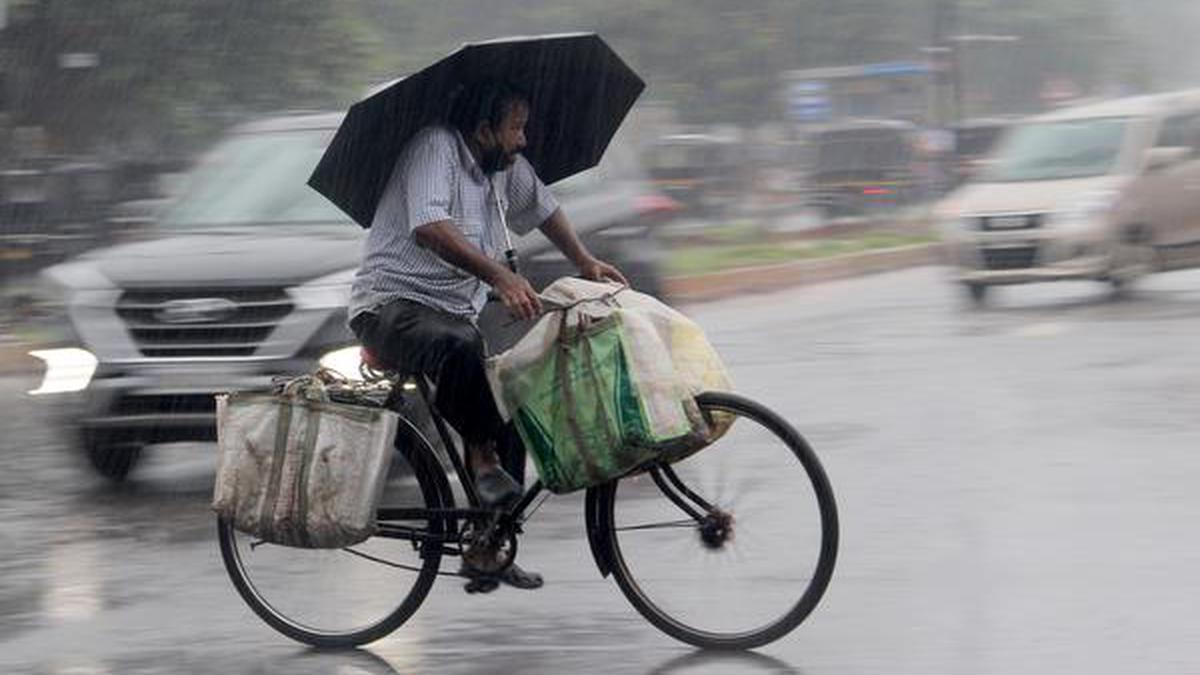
{"x":159,"y":404}
{"x":1009,"y":257}
{"x":202,"y":322}
{"x":1000,"y":223}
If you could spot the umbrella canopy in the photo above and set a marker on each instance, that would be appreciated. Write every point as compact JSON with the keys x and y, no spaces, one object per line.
{"x":579,"y":91}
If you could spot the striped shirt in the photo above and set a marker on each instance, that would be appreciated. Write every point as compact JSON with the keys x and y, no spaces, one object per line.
{"x":436,"y":178}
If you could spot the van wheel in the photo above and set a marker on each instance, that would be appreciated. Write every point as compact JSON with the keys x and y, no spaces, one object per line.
{"x":976,"y":292}
{"x":114,"y":460}
{"x":1137,"y":259}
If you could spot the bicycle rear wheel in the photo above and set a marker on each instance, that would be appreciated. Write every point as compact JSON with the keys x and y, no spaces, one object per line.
{"x":350,"y":596}
{"x":732,"y":547}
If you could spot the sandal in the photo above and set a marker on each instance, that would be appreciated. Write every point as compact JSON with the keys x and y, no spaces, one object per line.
{"x":513,"y":575}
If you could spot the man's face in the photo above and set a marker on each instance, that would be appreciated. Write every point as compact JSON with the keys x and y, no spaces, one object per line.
{"x":500,"y":145}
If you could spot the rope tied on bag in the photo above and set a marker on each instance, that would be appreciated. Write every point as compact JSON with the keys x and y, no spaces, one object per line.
{"x":330,"y":386}
{"x":305,"y":463}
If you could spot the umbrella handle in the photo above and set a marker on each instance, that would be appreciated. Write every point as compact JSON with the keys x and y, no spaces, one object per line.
{"x":510,"y":254}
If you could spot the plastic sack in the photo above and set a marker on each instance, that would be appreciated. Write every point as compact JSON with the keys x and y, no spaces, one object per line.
{"x":297,"y":469}
{"x":593,"y":389}
{"x":672,"y":351}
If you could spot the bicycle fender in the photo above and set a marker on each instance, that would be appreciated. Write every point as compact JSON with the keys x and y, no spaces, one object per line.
{"x":597,"y":503}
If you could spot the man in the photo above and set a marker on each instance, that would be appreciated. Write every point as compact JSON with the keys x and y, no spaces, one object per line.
{"x":433,"y":252}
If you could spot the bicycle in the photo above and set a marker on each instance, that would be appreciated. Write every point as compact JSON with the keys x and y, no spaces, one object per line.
{"x":666,"y":534}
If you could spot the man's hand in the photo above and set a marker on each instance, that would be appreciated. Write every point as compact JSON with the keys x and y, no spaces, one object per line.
{"x":517,"y":295}
{"x":445,"y":239}
{"x":598,"y":270}
{"x":558,"y":230}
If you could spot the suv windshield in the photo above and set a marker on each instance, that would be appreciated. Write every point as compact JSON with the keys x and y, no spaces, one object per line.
{"x":257,"y":179}
{"x":1060,"y":149}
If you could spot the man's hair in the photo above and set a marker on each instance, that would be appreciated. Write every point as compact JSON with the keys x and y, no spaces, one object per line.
{"x":487,"y":101}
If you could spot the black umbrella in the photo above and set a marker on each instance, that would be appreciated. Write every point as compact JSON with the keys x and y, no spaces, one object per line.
{"x":579,"y":92}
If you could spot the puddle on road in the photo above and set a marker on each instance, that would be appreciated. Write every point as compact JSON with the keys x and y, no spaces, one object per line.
{"x":74,"y":587}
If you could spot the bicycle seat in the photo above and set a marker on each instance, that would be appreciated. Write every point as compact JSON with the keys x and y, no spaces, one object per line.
{"x":378,"y":364}
{"x":374,"y":362}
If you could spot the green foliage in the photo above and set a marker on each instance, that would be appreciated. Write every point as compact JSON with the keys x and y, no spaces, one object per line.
{"x":717,"y":257}
{"x":172,"y":71}
{"x":720,"y":60}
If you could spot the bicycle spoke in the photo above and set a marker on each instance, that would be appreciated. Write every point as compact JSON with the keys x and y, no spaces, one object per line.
{"x":689,"y":523}
{"x":381,"y":561}
{"x":741,"y":493}
{"x":756,"y":553}
{"x":347,"y":596}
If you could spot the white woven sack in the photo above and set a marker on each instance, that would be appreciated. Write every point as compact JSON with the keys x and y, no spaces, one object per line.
{"x":315,"y":486}
{"x":670,"y":359}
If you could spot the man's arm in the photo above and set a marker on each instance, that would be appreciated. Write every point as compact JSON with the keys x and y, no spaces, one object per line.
{"x":561,"y":234}
{"x":445,"y":240}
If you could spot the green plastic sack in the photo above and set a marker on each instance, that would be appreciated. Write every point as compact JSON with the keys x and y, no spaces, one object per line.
{"x":580,"y":416}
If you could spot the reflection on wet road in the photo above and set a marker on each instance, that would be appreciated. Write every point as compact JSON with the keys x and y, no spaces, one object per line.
{"x":1016,"y":485}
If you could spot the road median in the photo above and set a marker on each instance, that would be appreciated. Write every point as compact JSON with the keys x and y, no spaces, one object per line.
{"x":693,"y":288}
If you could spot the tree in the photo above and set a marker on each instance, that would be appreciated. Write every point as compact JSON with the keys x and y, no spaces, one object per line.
{"x":168,"y":73}
{"x":177,"y":69}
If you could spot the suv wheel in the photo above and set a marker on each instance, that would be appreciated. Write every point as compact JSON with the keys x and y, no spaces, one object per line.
{"x":977,"y":292}
{"x":114,"y":460}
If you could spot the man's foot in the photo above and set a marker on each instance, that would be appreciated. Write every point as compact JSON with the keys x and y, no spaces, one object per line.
{"x":516,"y":577}
{"x":481,"y":585}
{"x":481,"y":582}
{"x":496,"y":488}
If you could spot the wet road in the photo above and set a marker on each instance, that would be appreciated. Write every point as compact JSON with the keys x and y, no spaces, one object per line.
{"x":1016,"y":485}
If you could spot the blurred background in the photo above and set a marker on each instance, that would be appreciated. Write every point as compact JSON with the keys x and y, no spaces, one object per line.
{"x":830,"y":187}
{"x":100,"y":103}
{"x":764,"y":116}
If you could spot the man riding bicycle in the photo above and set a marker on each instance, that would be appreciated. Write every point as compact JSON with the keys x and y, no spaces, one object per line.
{"x":431,"y":255}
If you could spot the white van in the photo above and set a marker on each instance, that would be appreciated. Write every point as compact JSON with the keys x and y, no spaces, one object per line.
{"x":1108,"y":191}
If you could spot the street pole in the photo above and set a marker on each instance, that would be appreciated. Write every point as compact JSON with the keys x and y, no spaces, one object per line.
{"x":945,"y":113}
{"x":945,"y":24}
{"x":5,"y":96}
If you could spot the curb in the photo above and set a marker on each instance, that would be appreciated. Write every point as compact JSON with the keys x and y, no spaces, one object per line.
{"x":718,"y":285}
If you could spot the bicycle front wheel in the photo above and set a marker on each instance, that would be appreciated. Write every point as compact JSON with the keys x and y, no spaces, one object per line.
{"x":349,"y":596}
{"x":732,"y":547}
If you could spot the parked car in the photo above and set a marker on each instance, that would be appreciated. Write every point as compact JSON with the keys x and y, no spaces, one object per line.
{"x":702,"y":172}
{"x":245,"y":277}
{"x":860,"y":166}
{"x":1107,"y":191}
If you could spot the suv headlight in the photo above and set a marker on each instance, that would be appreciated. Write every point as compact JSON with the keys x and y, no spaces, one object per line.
{"x":1084,"y":214}
{"x":69,"y":369}
{"x":346,"y":361}
{"x":328,"y":292}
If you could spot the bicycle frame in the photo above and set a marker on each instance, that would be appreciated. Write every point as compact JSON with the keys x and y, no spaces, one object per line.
{"x":488,"y":538}
{"x":662,"y":475}
{"x":475,"y":511}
